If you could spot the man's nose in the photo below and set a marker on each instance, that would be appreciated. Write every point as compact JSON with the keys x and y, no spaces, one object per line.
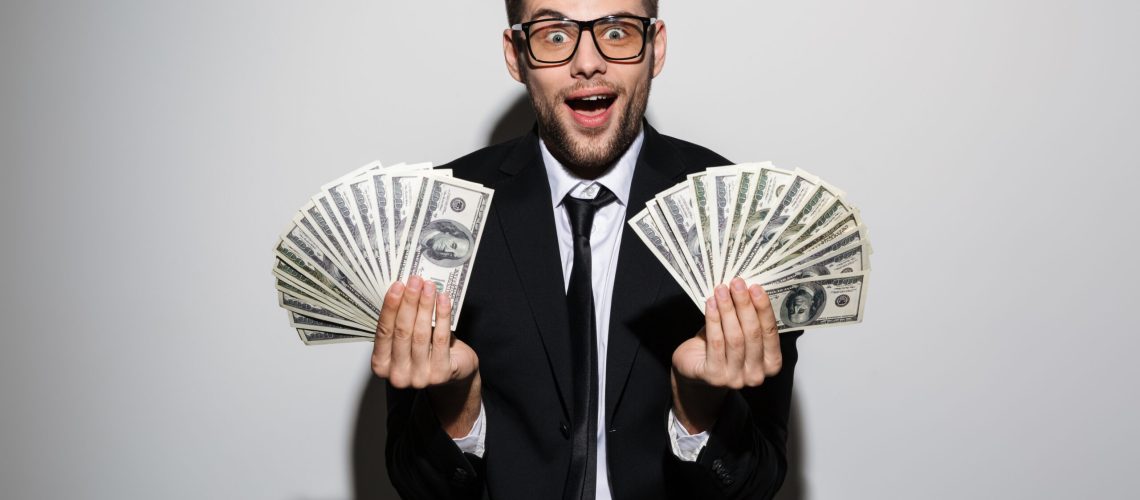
{"x":587,"y":61}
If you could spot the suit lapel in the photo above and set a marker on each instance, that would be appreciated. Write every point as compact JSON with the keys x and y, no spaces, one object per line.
{"x":527,"y":218}
{"x":639,"y":274}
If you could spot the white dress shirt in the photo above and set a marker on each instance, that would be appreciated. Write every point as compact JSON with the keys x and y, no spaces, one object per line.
{"x":605,"y":239}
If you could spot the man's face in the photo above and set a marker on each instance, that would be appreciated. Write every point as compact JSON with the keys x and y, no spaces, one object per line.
{"x":589,"y":109}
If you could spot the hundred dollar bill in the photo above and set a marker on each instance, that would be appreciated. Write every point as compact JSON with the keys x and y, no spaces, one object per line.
{"x":694,"y":284}
{"x":301,"y":260}
{"x":313,"y":255}
{"x":744,"y":192}
{"x":406,"y":188}
{"x":342,"y":310}
{"x":798,"y":193}
{"x":851,"y":259}
{"x":820,"y":199}
{"x":298,"y":320}
{"x":650,"y":234}
{"x":699,"y":188}
{"x":819,"y":302}
{"x":770,"y":186}
{"x":836,"y":230}
{"x":842,"y":243}
{"x":362,"y":208}
{"x":382,"y":209}
{"x":297,"y":305}
{"x":446,"y":237}
{"x":722,"y":183}
{"x":681,"y":219}
{"x":312,"y":337}
{"x":324,"y":231}
{"x":834,"y":211}
{"x":336,"y":202}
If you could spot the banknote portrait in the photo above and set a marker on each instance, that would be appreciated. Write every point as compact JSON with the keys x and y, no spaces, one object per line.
{"x":803,"y":305}
{"x":446,"y":243}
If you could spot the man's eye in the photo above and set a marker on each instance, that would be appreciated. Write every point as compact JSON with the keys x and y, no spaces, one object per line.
{"x":557,"y":37}
{"x":614,"y":34}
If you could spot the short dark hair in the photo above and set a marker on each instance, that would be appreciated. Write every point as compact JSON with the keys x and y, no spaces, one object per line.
{"x":515,"y":7}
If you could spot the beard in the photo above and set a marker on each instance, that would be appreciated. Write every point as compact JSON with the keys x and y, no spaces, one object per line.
{"x":591,"y":157}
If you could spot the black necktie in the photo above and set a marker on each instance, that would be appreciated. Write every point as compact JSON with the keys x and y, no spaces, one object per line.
{"x":581,"y":483}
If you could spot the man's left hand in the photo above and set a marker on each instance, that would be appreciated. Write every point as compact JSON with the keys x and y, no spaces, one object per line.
{"x":738,"y":347}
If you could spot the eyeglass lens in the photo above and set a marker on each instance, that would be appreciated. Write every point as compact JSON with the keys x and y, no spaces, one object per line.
{"x":617,"y":38}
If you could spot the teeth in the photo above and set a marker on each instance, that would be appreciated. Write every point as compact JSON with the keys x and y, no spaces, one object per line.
{"x":595,"y":98}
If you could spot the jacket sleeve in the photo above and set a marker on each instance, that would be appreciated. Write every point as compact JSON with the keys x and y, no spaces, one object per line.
{"x":423,"y":461}
{"x":746,"y":454}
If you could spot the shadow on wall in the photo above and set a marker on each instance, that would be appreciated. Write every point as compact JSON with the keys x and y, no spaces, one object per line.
{"x":517,"y":120}
{"x":369,"y":472}
{"x":369,"y":469}
{"x":795,"y":485}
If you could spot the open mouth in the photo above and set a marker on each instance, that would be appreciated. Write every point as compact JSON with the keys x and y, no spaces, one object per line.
{"x":591,"y":108}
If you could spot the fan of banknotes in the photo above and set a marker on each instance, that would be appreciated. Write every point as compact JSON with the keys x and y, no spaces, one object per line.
{"x":366,"y":230}
{"x":786,"y":230}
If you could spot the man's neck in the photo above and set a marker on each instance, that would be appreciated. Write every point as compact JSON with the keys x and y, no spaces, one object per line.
{"x":630,"y":153}
{"x":616,"y":177}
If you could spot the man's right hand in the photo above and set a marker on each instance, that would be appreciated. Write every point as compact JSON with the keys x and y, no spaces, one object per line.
{"x":410,"y":353}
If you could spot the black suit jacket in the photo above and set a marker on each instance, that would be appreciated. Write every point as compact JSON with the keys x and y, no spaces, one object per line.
{"x":515,"y":319}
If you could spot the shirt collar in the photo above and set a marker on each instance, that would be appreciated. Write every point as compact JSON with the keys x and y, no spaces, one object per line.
{"x":617,"y":179}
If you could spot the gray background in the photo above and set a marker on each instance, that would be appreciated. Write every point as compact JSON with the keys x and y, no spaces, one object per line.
{"x":152,"y":151}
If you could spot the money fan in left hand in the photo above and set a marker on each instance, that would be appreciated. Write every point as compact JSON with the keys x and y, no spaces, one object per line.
{"x":368,"y":229}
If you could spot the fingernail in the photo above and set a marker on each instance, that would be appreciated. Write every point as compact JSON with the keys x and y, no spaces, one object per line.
{"x":429,"y":288}
{"x":722,"y":292}
{"x":414,"y":283}
{"x":756,"y":291}
{"x":738,"y":285}
{"x":396,"y":288}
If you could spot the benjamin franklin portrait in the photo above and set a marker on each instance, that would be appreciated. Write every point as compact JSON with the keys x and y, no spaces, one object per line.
{"x":803,"y":305}
{"x":446,"y":243}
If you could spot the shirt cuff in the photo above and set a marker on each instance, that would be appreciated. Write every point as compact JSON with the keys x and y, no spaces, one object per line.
{"x":685,"y":446}
{"x":473,"y":442}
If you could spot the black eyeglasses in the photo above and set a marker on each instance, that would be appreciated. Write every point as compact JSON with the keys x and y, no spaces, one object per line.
{"x":617,"y":38}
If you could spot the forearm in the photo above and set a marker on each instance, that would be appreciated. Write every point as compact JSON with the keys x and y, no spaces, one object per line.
{"x":423,"y":461}
{"x":456,"y":405}
{"x":696,"y":404}
{"x":745,"y":454}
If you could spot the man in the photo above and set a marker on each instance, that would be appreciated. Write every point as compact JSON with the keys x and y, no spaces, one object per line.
{"x":601,"y":383}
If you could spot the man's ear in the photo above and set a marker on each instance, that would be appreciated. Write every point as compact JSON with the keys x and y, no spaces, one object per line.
{"x":511,"y":55}
{"x":660,"y":40}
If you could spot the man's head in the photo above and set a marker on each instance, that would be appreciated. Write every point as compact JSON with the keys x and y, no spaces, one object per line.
{"x":590,"y":107}
{"x":515,"y":9}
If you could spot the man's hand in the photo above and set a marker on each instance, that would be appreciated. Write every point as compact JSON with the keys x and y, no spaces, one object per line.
{"x":738,"y":347}
{"x":410,"y":353}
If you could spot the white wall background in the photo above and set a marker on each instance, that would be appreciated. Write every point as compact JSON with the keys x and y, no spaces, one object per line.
{"x":151,"y":151}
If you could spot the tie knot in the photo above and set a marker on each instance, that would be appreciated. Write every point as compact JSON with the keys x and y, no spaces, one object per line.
{"x":582,"y":211}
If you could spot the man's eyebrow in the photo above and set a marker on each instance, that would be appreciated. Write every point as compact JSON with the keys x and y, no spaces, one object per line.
{"x":546,"y":13}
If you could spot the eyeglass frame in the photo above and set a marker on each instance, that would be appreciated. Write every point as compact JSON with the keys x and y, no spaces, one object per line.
{"x":647,"y":23}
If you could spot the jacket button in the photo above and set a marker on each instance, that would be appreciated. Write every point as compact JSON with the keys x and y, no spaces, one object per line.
{"x":565,"y":428}
{"x":460,"y":475}
{"x":722,"y":472}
